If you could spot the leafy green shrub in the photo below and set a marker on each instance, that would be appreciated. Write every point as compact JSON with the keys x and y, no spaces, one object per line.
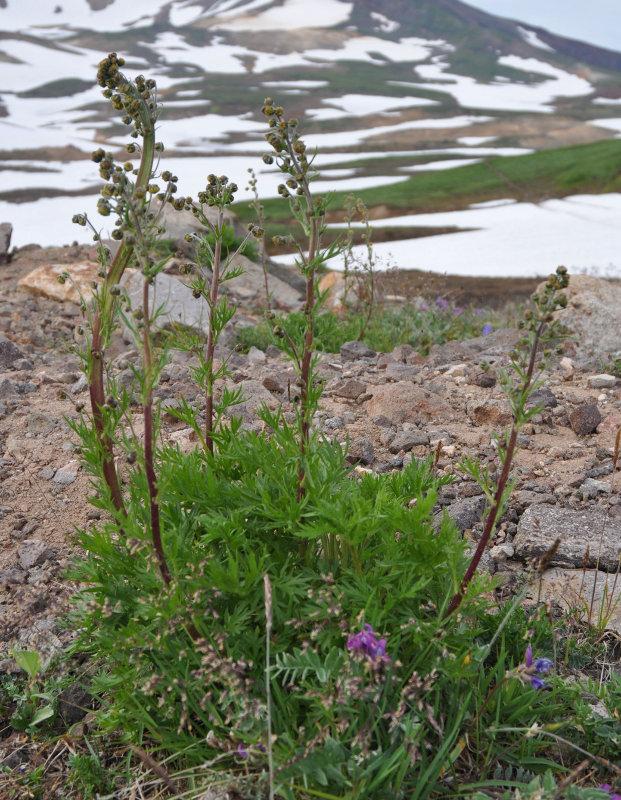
{"x":421,"y":327}
{"x":375,"y":667}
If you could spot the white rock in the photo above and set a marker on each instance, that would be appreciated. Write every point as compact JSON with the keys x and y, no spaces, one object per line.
{"x":602,"y":381}
{"x":67,"y":474}
{"x":456,"y":371}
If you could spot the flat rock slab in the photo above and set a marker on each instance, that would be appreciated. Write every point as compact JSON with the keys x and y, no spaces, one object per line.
{"x":249,"y":287}
{"x":43,"y":281}
{"x":572,"y":589}
{"x":541,"y":525}
{"x":404,"y":401}
{"x":179,"y":306}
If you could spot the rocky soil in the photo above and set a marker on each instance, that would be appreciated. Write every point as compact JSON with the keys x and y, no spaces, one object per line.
{"x":390,"y":407}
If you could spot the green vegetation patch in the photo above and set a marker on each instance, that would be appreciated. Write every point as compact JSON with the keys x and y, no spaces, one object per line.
{"x":585,"y":169}
{"x":61,"y":88}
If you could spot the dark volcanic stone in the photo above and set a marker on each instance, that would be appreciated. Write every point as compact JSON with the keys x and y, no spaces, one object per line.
{"x":361,"y":450}
{"x":407,"y":440}
{"x":350,"y":351}
{"x":544,"y":398}
{"x":466,"y":512}
{"x":74,"y":703}
{"x":9,"y":352}
{"x":585,"y":419}
{"x":351,"y":389}
{"x":485,"y":380}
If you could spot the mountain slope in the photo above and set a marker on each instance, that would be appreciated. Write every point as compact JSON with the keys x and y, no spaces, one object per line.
{"x":395,"y":85}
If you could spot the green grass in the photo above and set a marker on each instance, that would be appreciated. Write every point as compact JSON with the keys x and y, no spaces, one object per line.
{"x":585,"y":169}
{"x":60,"y":88}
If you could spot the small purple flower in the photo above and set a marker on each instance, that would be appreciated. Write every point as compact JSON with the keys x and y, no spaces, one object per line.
{"x":606,"y":787}
{"x":534,"y":670}
{"x":458,"y":310}
{"x":241,"y":751}
{"x":442,"y":303}
{"x":478,"y":312}
{"x":365,"y":643}
{"x":487,"y":328}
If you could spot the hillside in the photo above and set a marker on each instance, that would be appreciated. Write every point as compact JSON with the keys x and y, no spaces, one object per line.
{"x":382,"y":88}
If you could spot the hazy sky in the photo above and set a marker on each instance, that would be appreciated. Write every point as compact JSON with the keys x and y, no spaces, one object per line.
{"x":596,"y":21}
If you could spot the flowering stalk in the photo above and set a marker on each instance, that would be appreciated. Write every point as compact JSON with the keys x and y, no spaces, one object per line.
{"x":219,"y":193}
{"x":136,"y":99}
{"x":310,"y":213}
{"x":542,"y":330}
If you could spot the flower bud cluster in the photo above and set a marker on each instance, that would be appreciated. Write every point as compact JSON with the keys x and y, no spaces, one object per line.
{"x":549,"y":300}
{"x":218,"y":193}
{"x":289,"y":147}
{"x":136,"y":100}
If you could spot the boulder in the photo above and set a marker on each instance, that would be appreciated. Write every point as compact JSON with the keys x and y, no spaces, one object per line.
{"x":352,"y":351}
{"x":344,"y":293}
{"x":593,"y":314}
{"x":178,"y":305}
{"x":249,"y":287}
{"x":587,"y":529}
{"x":43,"y":281}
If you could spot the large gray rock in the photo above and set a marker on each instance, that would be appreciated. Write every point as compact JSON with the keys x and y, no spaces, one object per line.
{"x":179,"y":306}
{"x":180,"y":223}
{"x":593,"y":314}
{"x":6,"y":231}
{"x":579,"y":531}
{"x":249,"y":287}
{"x":352,"y":351}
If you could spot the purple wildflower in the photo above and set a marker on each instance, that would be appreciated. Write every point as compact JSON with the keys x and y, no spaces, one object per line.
{"x":478,"y":312}
{"x":458,"y":310}
{"x":606,"y":787}
{"x":241,"y":751}
{"x":534,"y":669}
{"x":365,"y":643}
{"x":442,"y":303}
{"x":487,"y":328}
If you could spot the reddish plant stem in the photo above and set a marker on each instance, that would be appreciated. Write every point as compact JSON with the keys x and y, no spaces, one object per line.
{"x":103,"y":319}
{"x":309,"y":312}
{"x":500,"y":487}
{"x":305,"y":372}
{"x":210,"y":346}
{"x":154,"y":508}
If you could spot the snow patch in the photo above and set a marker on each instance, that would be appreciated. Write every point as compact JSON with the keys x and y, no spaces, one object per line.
{"x":531,"y":38}
{"x":291,"y":15}
{"x":539,"y":97}
{"x":383,"y":23}
{"x":613,"y":123}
